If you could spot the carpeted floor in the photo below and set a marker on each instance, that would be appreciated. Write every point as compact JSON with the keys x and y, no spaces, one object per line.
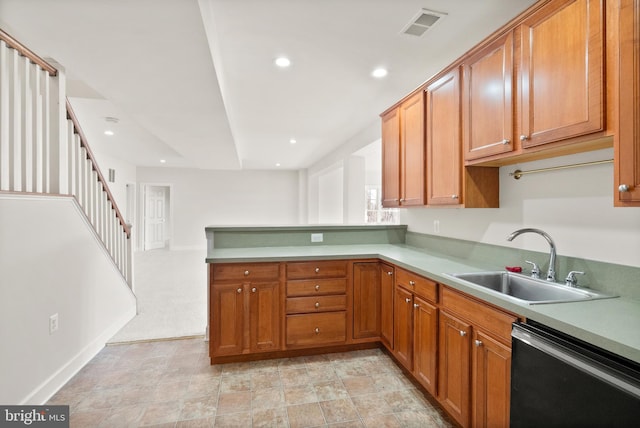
{"x":171,"y":287}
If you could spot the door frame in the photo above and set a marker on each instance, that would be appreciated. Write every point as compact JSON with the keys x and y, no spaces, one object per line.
{"x":142,"y":214}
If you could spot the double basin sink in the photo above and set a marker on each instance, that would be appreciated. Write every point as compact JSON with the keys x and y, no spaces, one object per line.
{"x":528,"y":290}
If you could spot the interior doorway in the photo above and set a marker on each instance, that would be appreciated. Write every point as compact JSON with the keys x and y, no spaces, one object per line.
{"x":157,"y":202}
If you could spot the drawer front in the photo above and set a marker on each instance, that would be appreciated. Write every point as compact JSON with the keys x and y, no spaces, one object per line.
{"x":321,"y":269}
{"x":316,"y":329}
{"x":316,"y":287}
{"x":297,"y":305}
{"x":492,"y":320}
{"x":245,"y":271}
{"x":422,"y":286}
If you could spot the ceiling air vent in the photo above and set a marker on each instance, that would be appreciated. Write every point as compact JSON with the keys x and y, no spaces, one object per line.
{"x":422,"y":21}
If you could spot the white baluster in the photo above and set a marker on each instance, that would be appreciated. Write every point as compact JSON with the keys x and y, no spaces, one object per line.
{"x":4,"y":116}
{"x":46,"y":132}
{"x":38,"y":76}
{"x":26,"y":167}
{"x":16,"y":125}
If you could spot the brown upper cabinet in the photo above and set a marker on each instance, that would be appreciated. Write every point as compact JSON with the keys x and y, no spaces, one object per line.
{"x":403,"y":153}
{"x":627,"y":141}
{"x":488,"y":100}
{"x":561,"y":72}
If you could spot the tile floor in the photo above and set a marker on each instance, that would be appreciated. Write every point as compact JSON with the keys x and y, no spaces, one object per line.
{"x":172,"y":384}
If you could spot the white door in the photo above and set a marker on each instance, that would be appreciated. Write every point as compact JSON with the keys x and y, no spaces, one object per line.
{"x":154,"y":217}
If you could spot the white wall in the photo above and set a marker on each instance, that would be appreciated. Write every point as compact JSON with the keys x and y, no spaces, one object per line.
{"x":201,"y":198}
{"x":575,"y":206}
{"x":51,"y":262}
{"x":330,"y":196}
{"x":125,"y":173}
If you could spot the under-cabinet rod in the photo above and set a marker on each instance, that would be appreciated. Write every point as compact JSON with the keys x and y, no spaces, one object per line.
{"x":517,"y":173}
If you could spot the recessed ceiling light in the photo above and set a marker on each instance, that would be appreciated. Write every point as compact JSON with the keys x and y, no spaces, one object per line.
{"x":283,"y":62}
{"x":278,"y":164}
{"x":163,"y":161}
{"x":292,"y":141}
{"x":108,"y":132}
{"x":379,"y":72}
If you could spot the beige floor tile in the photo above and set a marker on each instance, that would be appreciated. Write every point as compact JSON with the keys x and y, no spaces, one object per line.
{"x":341,"y":410}
{"x":265,"y":379}
{"x":235,"y":383}
{"x":391,"y":382}
{"x":203,"y":387}
{"x":332,"y":390}
{"x":322,"y":373}
{"x":305,"y":415}
{"x":161,"y":413}
{"x":359,"y":385}
{"x":267,"y":399}
{"x":233,"y":420}
{"x":349,"y":424}
{"x":299,"y":394}
{"x":199,"y":408}
{"x":169,"y":391}
{"x":350,"y":368}
{"x":415,"y":419}
{"x":196,"y":423}
{"x":404,"y":400}
{"x":88,"y":418}
{"x":294,"y":376}
{"x":382,"y":421}
{"x":270,"y":418}
{"x":123,"y":417}
{"x":234,"y":402}
{"x":371,"y":405}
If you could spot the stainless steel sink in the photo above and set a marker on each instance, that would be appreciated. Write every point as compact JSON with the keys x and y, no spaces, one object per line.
{"x":529,"y":290}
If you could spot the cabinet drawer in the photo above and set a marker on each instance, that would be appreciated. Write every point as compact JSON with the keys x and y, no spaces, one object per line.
{"x":323,"y":269}
{"x":248,"y":271}
{"x":479,"y":314}
{"x":421,"y":286}
{"x":316,"y":329}
{"x":296,"y":305}
{"x":316,"y":287}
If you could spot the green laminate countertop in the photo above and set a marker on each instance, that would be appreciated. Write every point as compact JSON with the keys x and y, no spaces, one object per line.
{"x":612,"y":324}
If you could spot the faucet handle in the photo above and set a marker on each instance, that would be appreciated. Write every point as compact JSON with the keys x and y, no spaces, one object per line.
{"x":571,"y":280}
{"x":535,"y":269}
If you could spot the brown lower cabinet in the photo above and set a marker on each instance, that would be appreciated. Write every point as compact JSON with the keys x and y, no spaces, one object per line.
{"x":458,"y":348}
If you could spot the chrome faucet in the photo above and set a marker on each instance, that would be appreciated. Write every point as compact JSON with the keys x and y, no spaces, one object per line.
{"x":551,"y":272}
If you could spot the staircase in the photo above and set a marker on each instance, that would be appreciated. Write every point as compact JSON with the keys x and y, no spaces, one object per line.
{"x":44,"y":151}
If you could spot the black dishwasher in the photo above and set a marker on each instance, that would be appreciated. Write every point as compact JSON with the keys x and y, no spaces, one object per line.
{"x":559,"y":381}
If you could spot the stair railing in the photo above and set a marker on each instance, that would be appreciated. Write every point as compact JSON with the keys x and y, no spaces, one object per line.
{"x":43,"y":148}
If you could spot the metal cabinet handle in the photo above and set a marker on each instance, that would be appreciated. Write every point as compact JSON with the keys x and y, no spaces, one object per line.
{"x":524,"y":138}
{"x":246,"y":273}
{"x":408,"y":300}
{"x":401,"y":199}
{"x":412,"y":283}
{"x":317,"y":330}
{"x":463,"y":333}
{"x":623,"y":188}
{"x":454,"y":196}
{"x":317,"y":270}
{"x":390,"y":273}
{"x":505,"y":141}
{"x":317,"y":287}
{"x":415,"y":305}
{"x":478,"y":343}
{"x":254,"y":289}
{"x":317,"y":305}
{"x":239,"y":290}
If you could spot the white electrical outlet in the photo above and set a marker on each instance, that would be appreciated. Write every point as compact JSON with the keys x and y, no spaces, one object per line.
{"x":53,"y":323}
{"x":436,"y":226}
{"x":317,"y":237}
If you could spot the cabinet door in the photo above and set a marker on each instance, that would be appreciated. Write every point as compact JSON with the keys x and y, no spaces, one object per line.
{"x":265,"y":316}
{"x":386,"y":304}
{"x":412,"y":149}
{"x":403,"y":327}
{"x":227,"y":329}
{"x":391,"y":159}
{"x":454,"y":373}
{"x":491,"y":382}
{"x":425,"y":343}
{"x":366,"y":300}
{"x":561,"y":72}
{"x":444,"y":147}
{"x":627,"y":157}
{"x":488,"y":100}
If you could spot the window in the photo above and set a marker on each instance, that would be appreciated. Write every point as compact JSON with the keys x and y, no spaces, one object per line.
{"x":374,"y":213}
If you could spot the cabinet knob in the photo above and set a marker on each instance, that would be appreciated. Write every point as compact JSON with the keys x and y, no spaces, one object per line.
{"x":623,"y":188}
{"x":401,"y":199}
{"x":254,"y":289}
{"x":454,"y":196}
{"x":412,"y":283}
{"x":463,"y":333}
{"x":505,"y":141}
{"x":524,"y":138}
{"x":415,"y":305}
{"x":317,"y":330}
{"x":478,"y":343}
{"x":239,"y":290}
{"x":246,"y":273}
{"x":317,"y":270}
{"x":408,"y":300}
{"x":390,"y":273}
{"x":317,"y":287}
{"x":317,"y":305}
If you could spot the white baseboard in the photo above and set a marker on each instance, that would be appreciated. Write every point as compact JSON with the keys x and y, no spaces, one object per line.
{"x":42,"y":393}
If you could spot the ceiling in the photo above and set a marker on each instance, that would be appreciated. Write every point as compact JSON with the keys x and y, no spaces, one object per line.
{"x":193,"y":82}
